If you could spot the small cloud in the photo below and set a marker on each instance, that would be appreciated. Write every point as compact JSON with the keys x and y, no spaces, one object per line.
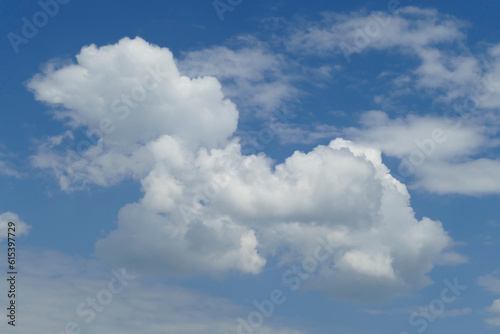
{"x":338,"y":113}
{"x":450,"y":259}
{"x":21,"y":228}
{"x":6,"y":170}
{"x":489,"y":283}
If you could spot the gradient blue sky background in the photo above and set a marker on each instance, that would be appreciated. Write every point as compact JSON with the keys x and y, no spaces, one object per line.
{"x":283,"y":57}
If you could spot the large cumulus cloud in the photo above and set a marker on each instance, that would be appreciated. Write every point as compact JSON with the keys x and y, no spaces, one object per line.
{"x":208,"y":208}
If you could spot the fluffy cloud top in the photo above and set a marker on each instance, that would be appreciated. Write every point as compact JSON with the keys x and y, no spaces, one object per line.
{"x":150,"y":99}
{"x":207,"y":208}
{"x":126,"y":95}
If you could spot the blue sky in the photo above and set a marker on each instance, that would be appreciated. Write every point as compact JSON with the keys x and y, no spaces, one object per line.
{"x":193,"y":153}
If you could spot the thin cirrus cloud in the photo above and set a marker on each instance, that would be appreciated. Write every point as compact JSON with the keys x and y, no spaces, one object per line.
{"x":7,"y":170}
{"x":447,"y":70}
{"x":406,"y":27}
{"x":6,"y":167}
{"x":465,"y":84}
{"x":209,"y":209}
{"x":411,"y":31}
{"x":252,"y":75}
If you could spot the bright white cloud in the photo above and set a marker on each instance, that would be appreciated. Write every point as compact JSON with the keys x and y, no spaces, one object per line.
{"x":245,"y":212}
{"x":207,"y":208}
{"x":147,"y":98}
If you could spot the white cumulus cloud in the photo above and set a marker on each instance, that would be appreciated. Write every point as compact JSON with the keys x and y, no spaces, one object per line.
{"x":207,"y":208}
